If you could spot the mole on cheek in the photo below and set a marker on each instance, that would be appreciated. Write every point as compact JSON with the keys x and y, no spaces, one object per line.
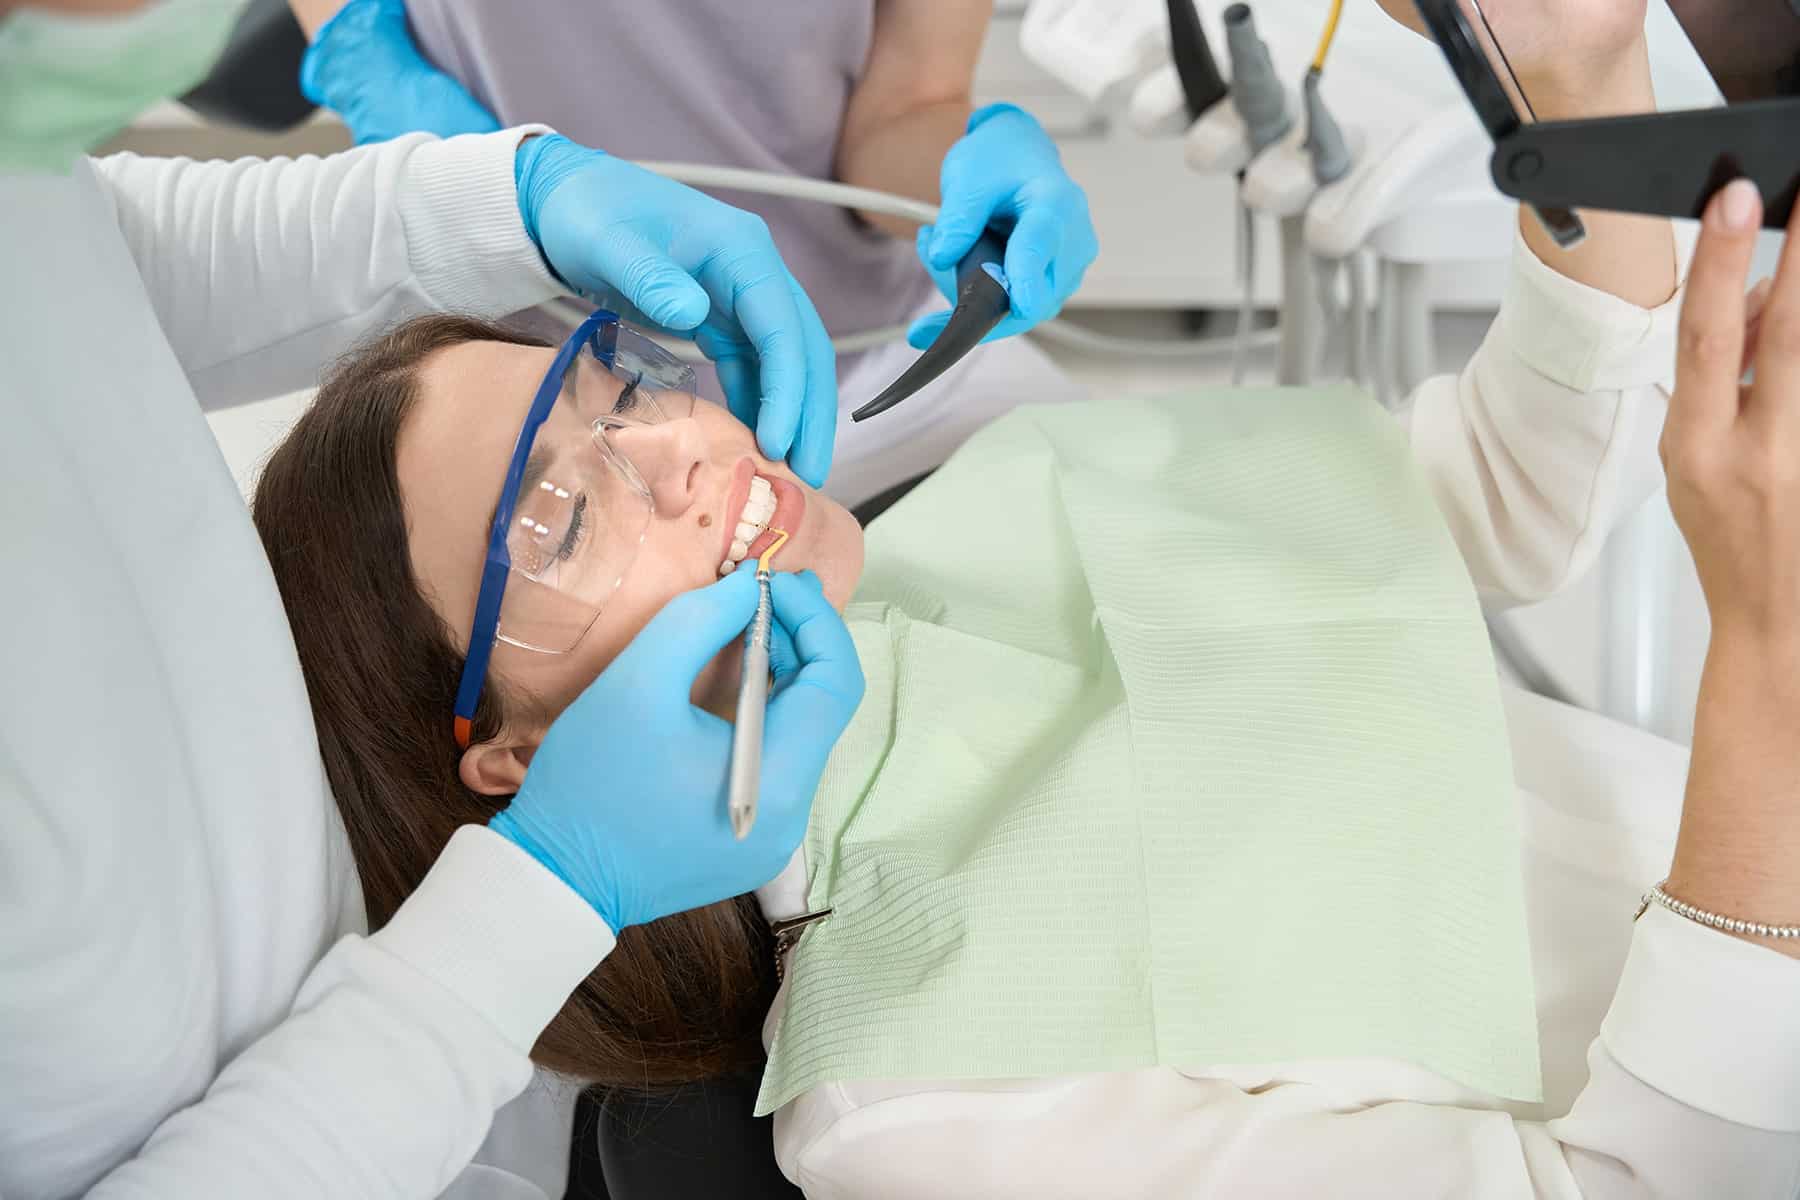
{"x":705,"y":520}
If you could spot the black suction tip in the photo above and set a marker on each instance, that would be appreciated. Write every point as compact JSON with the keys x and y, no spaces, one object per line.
{"x":981,"y":304}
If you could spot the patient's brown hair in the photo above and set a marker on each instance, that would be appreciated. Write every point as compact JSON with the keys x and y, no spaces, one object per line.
{"x":678,"y":1000}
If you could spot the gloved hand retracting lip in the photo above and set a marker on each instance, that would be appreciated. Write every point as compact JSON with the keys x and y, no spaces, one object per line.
{"x":691,"y":264}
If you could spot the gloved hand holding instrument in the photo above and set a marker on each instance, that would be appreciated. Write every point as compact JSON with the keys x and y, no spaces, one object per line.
{"x":1010,"y":245}
{"x":625,"y":800}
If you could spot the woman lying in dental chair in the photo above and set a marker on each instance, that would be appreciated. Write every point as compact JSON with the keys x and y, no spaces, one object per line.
{"x":1174,"y":848}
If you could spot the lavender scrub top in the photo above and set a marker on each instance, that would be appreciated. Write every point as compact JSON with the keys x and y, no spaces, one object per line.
{"x":756,"y":85}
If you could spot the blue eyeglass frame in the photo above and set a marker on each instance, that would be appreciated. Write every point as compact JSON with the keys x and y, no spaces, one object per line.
{"x":600,"y":330}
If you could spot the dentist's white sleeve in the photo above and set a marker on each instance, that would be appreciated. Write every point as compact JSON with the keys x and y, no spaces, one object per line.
{"x":1548,"y":436}
{"x":260,"y":271}
{"x":384,"y":1079}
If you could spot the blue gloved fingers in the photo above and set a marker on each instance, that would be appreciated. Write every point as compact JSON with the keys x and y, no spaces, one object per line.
{"x":811,"y":454}
{"x":1031,"y":252}
{"x":813,"y":705}
{"x":644,"y":275}
{"x":738,"y":378}
{"x":925,"y":330}
{"x":784,"y":660}
{"x":1080,"y":245}
{"x":829,"y":676}
{"x":364,"y":65}
{"x":723,"y":344}
{"x":441,"y":106}
{"x":752,"y":286}
{"x":784,"y":656}
{"x":671,"y":650}
{"x":969,"y":206}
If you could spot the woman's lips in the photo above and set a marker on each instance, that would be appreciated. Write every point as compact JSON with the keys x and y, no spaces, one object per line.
{"x":790,"y":507}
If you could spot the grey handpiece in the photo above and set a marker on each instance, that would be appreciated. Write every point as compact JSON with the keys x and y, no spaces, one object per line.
{"x":753,"y":700}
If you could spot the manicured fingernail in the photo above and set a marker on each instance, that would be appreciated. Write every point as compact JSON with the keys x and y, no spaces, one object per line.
{"x":1737,"y":207}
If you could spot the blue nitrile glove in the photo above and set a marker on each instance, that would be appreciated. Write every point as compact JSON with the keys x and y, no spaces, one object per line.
{"x":1005,"y":172}
{"x":691,"y":264}
{"x":364,"y":66}
{"x":625,"y":800}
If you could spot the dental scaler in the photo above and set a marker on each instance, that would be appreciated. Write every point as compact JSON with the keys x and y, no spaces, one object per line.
{"x":981,"y":303}
{"x":753,"y":700}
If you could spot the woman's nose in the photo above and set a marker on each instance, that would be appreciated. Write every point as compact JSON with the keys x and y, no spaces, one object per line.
{"x":667,"y":458}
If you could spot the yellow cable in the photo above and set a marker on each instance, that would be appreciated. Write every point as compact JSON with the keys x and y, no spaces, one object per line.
{"x":762,"y":563}
{"x":1331,"y":24}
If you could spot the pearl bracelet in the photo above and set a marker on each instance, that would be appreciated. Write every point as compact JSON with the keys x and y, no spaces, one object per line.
{"x":1681,"y":908}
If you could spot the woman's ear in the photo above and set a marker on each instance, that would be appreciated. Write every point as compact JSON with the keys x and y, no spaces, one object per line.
{"x":496,"y":768}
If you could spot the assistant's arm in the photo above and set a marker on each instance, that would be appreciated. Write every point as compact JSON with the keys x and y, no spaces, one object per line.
{"x":912,"y":102}
{"x":399,"y":1048}
{"x":261,"y":271}
{"x":1549,"y":434}
{"x":1691,"y":1093}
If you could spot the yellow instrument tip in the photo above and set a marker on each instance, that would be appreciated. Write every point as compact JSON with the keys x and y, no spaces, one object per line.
{"x":781,"y":537}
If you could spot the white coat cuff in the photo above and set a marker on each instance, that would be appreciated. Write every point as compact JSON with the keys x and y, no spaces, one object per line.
{"x":785,"y":895}
{"x":497,"y":929}
{"x":1583,"y":338}
{"x":1708,"y":1019}
{"x":464,"y":235}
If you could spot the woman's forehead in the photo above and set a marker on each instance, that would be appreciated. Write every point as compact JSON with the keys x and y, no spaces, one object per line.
{"x":453,"y":451}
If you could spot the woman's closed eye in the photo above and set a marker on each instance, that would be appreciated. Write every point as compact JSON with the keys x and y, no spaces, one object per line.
{"x":630,"y":400}
{"x":571,"y":541}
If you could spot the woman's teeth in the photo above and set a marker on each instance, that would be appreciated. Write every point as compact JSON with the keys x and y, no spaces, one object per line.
{"x":759,"y":508}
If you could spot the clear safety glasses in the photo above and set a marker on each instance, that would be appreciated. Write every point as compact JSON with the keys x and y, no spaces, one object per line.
{"x":573,"y":510}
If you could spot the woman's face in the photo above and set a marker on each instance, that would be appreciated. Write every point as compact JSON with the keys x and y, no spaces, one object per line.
{"x":453,"y":453}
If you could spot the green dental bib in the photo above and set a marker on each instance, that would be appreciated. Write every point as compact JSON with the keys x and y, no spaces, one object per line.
{"x":1182,"y":746}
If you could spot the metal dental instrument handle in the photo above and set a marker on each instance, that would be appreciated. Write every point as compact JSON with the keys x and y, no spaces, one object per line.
{"x":753,"y":701}
{"x":981,"y":304}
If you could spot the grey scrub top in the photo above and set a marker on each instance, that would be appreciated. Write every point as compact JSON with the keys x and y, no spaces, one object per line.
{"x":763,"y":85}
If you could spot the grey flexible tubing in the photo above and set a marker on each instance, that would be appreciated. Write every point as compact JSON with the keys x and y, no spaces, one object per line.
{"x":843,"y":195}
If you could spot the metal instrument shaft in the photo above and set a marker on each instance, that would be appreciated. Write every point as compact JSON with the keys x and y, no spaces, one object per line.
{"x":753,"y":702}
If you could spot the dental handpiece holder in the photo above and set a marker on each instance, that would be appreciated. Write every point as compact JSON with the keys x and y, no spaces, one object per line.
{"x":982,"y":303}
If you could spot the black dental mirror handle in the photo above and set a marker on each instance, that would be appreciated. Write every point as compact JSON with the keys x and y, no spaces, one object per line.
{"x":981,"y":304}
{"x":1661,"y":164}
